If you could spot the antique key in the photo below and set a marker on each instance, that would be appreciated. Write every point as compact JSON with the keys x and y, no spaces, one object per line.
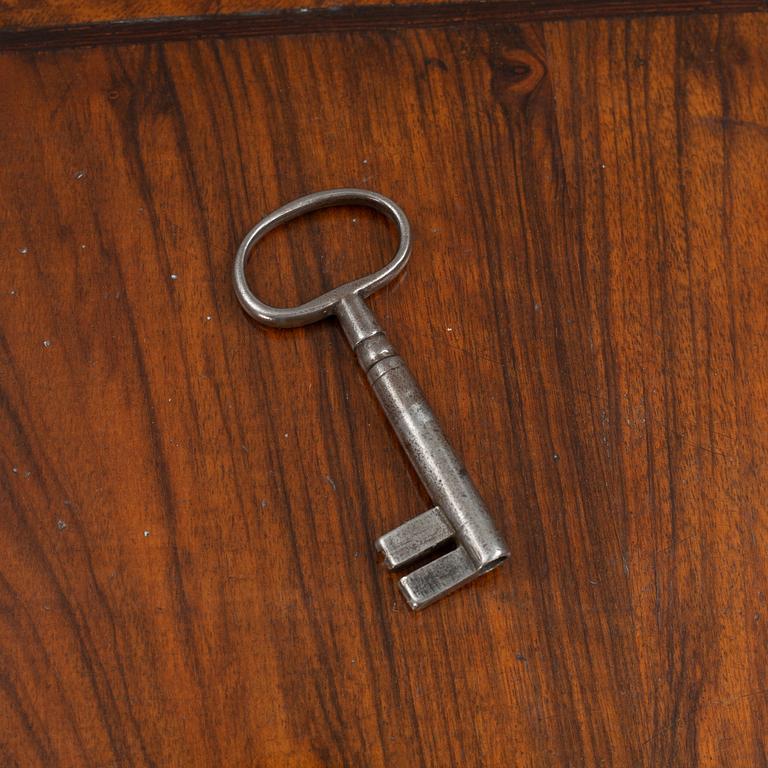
{"x":459,"y":518}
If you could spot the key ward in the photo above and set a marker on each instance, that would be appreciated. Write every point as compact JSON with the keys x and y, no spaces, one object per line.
{"x":438,"y":578}
{"x":414,"y":539}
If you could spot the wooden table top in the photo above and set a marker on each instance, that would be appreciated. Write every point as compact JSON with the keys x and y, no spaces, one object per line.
{"x":189,"y":501}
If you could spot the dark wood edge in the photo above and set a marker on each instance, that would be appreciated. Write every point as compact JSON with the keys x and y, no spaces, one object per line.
{"x":348,"y":18}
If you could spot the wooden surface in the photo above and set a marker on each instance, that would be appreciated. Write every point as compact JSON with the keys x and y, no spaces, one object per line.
{"x":35,"y":13}
{"x":48,"y":26}
{"x":189,"y":501}
{"x":254,"y":14}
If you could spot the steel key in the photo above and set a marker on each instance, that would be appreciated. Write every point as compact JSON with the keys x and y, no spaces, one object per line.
{"x":458,"y":531}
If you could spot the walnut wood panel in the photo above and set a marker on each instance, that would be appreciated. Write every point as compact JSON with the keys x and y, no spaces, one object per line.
{"x":189,"y":501}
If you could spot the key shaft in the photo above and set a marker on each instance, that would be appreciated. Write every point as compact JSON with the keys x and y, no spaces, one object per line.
{"x":437,"y":465}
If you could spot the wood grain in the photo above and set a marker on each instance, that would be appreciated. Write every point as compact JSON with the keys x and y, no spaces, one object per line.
{"x":189,"y":501}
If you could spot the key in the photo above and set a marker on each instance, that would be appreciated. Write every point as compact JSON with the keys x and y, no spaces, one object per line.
{"x":456,"y":540}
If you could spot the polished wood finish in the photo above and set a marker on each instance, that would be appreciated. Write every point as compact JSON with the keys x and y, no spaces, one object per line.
{"x":189,"y":501}
{"x":246,"y":17}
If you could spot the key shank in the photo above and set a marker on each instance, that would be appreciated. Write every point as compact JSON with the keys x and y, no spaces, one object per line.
{"x":459,"y":513}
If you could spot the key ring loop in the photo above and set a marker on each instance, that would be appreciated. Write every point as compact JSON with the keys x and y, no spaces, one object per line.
{"x":324,"y":305}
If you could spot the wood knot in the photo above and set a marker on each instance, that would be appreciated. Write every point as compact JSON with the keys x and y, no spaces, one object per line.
{"x":515,"y":73}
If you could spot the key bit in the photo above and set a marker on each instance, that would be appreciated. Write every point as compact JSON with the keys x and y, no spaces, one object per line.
{"x":458,"y":531}
{"x":415,"y":539}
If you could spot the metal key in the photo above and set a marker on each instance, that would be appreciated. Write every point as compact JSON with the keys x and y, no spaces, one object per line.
{"x":459,"y":518}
